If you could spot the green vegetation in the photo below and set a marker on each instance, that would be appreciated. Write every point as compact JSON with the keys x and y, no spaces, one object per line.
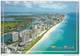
{"x":33,"y":42}
{"x":13,"y":26}
{"x":9,"y":26}
{"x":17,"y":16}
{"x":20,"y":22}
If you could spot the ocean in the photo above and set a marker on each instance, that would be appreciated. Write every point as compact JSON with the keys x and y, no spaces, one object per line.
{"x":63,"y":39}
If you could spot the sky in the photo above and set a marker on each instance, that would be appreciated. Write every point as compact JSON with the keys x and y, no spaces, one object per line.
{"x":55,"y":7}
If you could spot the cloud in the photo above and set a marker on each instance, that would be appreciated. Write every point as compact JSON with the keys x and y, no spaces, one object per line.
{"x":7,"y":2}
{"x":19,"y":3}
{"x":16,"y":2}
{"x":27,"y":4}
{"x":53,"y":6}
{"x":41,"y":5}
{"x":12,"y":2}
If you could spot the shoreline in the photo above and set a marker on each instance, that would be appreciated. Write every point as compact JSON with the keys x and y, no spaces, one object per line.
{"x":40,"y":37}
{"x":46,"y":34}
{"x":34,"y":42}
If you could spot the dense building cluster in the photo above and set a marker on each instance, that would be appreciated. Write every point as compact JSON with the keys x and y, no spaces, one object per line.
{"x":15,"y":41}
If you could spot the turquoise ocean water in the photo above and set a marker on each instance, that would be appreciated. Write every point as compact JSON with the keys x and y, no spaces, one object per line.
{"x":63,"y":39}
